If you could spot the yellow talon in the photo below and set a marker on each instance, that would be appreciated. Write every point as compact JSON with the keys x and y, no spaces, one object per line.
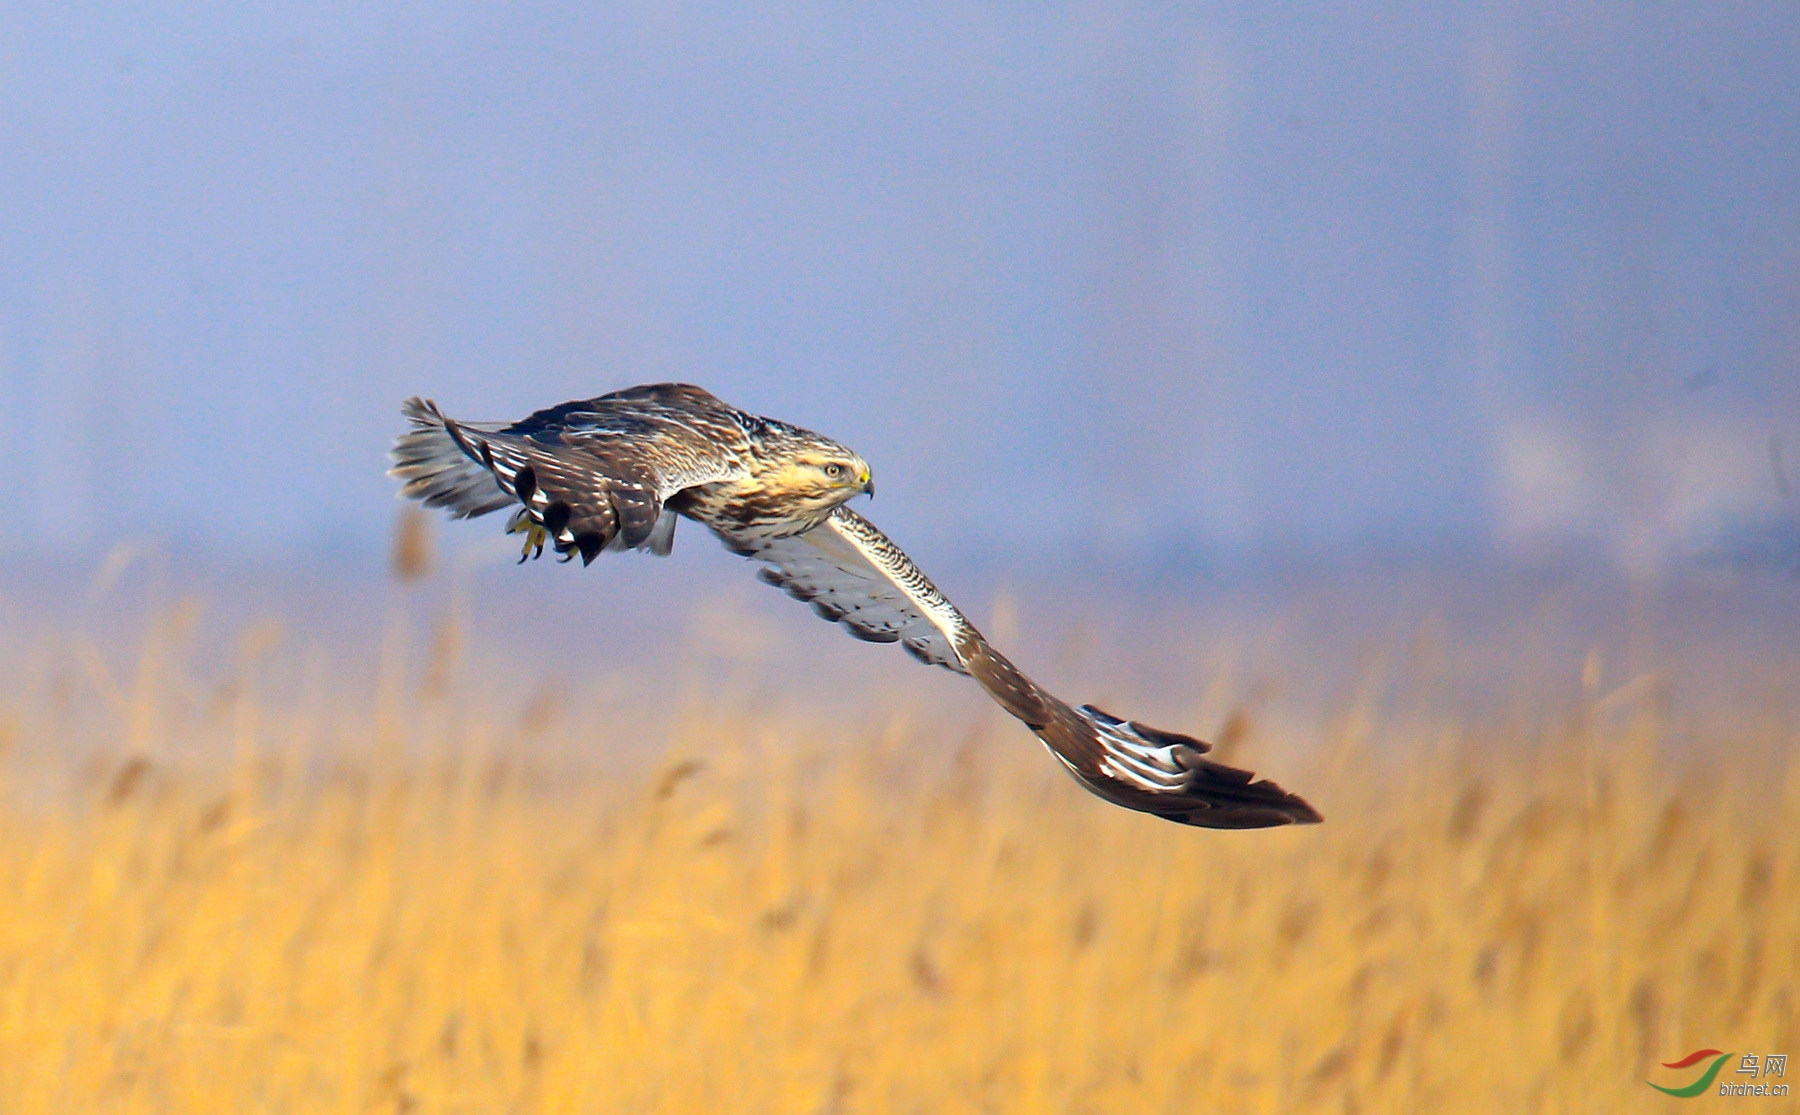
{"x":534,"y":532}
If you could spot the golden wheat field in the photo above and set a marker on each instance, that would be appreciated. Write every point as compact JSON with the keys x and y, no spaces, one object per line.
{"x":377,"y":875}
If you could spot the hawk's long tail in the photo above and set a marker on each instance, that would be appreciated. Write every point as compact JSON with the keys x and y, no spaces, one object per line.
{"x":436,"y":469}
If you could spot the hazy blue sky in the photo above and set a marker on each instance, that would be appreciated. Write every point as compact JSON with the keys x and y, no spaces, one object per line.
{"x":1105,"y":277}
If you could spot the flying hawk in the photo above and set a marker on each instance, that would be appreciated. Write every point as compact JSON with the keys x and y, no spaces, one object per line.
{"x":615,"y":473}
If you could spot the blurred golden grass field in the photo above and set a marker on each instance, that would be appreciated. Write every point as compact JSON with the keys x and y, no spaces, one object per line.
{"x":386,"y":904}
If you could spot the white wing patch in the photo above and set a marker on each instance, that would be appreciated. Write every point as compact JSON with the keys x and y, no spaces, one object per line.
{"x":854,"y":575}
{"x":1132,"y":758}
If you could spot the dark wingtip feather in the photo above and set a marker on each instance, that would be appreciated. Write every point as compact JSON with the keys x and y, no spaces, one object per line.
{"x":1229,"y":798}
{"x":1209,"y":795}
{"x":1248,"y":817}
{"x":1280,"y":808}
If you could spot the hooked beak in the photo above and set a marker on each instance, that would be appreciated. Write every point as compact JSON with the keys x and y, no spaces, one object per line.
{"x":868,"y":485}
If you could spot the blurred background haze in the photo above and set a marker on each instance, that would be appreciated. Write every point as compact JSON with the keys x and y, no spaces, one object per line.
{"x":1133,"y":283}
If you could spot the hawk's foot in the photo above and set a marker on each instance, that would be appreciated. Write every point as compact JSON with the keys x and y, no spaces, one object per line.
{"x":534,"y":532}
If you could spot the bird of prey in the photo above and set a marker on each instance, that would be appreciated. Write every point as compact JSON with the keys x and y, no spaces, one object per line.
{"x":616,"y":472}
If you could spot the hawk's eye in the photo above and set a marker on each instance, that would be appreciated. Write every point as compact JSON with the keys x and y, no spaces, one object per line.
{"x":834,"y":470}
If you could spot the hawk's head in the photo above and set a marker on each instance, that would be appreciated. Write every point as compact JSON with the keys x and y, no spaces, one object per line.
{"x":809,"y":473}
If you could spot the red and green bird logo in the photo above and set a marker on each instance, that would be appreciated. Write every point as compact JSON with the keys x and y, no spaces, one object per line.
{"x":1706,"y":1078}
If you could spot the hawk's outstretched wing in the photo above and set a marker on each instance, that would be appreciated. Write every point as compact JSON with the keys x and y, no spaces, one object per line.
{"x":854,"y":574}
{"x":594,"y":475}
